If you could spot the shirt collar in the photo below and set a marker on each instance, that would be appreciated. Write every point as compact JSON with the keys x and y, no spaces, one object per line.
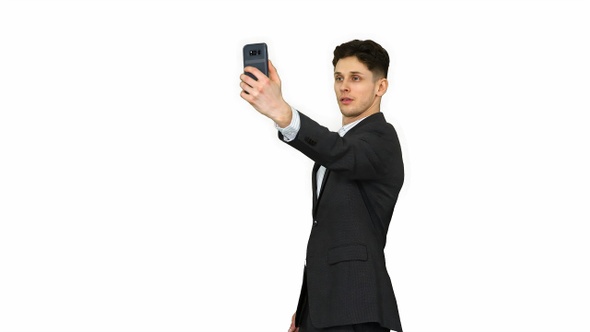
{"x":342,"y":131}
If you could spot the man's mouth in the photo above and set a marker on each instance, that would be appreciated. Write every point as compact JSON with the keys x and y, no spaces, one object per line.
{"x":345,"y":101}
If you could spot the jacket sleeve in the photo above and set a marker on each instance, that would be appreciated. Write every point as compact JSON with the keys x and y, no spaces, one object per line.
{"x":368,"y":151}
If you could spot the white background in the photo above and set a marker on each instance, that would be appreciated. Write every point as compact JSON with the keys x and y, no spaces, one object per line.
{"x":139,"y":192}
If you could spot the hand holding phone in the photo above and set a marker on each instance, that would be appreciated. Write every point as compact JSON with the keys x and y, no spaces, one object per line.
{"x":256,"y":55}
{"x":269,"y":100}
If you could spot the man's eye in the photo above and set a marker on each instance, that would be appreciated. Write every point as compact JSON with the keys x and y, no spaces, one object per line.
{"x":338,"y":78}
{"x":356,"y":78}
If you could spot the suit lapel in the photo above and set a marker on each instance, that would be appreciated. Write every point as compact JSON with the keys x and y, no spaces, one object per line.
{"x":326,"y":174}
{"x":314,"y":185}
{"x":316,"y":196}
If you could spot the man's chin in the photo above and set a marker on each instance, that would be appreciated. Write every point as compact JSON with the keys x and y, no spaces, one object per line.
{"x":346,"y":112}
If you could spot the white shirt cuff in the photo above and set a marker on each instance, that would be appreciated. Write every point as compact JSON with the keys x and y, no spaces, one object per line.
{"x":290,"y":132}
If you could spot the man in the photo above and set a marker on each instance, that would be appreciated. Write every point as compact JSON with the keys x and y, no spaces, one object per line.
{"x":357,"y":177}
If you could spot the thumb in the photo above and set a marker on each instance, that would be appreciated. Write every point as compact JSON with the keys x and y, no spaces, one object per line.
{"x":272,"y":73}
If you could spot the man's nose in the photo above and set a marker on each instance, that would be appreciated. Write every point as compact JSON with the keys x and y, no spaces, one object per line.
{"x":344,"y":87}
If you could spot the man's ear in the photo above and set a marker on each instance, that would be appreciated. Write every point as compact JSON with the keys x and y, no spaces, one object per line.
{"x":382,"y":86}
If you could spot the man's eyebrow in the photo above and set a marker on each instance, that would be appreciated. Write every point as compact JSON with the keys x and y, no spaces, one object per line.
{"x":352,"y":72}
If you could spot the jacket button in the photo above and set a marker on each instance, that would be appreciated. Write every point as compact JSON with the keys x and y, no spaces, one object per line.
{"x":315,"y":222}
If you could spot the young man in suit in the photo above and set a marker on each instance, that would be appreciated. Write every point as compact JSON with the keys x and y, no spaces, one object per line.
{"x":357,"y":177}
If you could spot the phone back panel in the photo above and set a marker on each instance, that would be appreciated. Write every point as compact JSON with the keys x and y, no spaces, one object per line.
{"x":256,"y":55}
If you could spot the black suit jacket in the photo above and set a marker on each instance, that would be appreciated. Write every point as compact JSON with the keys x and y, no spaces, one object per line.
{"x":345,"y":279}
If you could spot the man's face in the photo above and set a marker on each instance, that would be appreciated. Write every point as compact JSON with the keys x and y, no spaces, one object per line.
{"x":356,"y":89}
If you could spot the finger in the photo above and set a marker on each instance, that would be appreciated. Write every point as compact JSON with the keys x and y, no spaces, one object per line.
{"x":244,"y":86}
{"x":247,"y":88}
{"x":247,"y":79}
{"x":293,"y":328}
{"x":273,"y":74}
{"x":254,"y":71}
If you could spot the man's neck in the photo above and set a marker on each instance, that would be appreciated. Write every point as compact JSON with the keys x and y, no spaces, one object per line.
{"x":346,"y":120}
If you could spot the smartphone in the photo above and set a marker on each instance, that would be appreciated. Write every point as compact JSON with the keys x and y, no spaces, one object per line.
{"x":256,"y":55}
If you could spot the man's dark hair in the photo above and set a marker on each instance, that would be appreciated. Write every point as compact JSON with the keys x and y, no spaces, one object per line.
{"x":373,"y":55}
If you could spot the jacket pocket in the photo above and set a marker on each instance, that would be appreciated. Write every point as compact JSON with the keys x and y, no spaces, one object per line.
{"x":355,"y":252}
